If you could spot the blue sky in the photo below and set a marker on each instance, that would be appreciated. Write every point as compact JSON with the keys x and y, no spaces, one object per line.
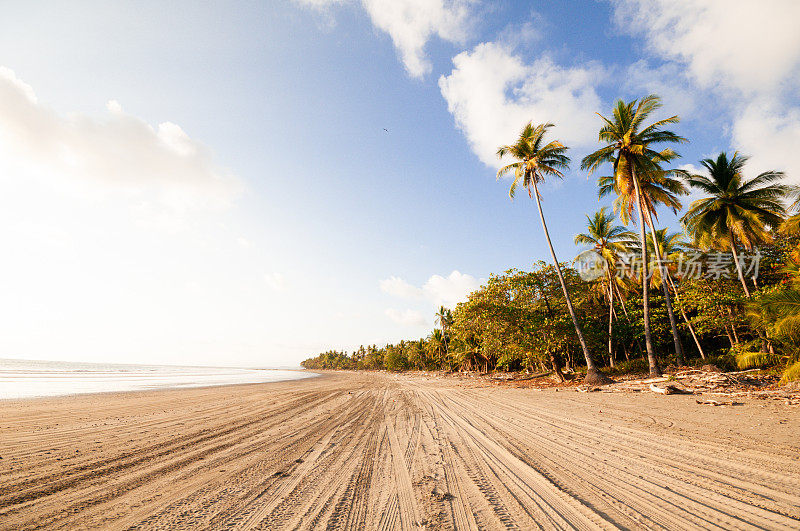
{"x":214,"y":184}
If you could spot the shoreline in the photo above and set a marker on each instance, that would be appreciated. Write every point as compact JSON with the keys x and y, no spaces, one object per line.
{"x":122,"y":393}
{"x":21,"y":379}
{"x":406,"y":450}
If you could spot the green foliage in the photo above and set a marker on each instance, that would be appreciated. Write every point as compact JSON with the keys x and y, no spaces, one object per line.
{"x":736,"y":210}
{"x":753,"y":360}
{"x":535,"y":158}
{"x":331,"y":359}
{"x":777,"y":312}
{"x":635,"y":366}
{"x":518,"y":320}
{"x":791,"y":373}
{"x":395,"y":359}
{"x":724,"y":362}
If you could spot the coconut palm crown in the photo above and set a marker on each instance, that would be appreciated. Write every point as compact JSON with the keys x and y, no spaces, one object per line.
{"x":746,"y":211}
{"x":606,"y":238}
{"x":657,"y":187}
{"x":535,"y":158}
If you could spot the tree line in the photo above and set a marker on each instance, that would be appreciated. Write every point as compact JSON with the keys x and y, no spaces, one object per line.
{"x":726,"y":289}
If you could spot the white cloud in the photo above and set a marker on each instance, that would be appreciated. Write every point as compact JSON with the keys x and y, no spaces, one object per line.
{"x":770,"y":135}
{"x":412,"y":23}
{"x":276,"y":281}
{"x":692,"y":169}
{"x":668,"y":81}
{"x":492,"y":94}
{"x":744,"y":54}
{"x":121,"y":151}
{"x":450,"y":290}
{"x":523,"y":33}
{"x":748,"y":46}
{"x":437,"y":290}
{"x":406,"y":317}
{"x":320,"y":4}
{"x":397,"y":287}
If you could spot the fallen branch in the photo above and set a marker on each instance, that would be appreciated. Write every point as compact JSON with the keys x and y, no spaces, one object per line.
{"x":670,"y":390}
{"x":742,"y":372}
{"x":719,"y":402}
{"x":533,"y":376}
{"x":653,"y":380}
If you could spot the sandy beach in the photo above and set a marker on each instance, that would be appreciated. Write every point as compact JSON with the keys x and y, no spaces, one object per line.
{"x":396,"y":452}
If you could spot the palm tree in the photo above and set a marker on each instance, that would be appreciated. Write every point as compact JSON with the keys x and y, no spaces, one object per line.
{"x":656,"y":187}
{"x":444,"y":317}
{"x":737,"y":210}
{"x":636,"y":163}
{"x":779,"y":313}
{"x":536,"y":159}
{"x":672,"y":247}
{"x":437,"y":347}
{"x":607,"y":240}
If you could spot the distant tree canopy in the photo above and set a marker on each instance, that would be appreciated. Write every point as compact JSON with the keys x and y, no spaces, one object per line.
{"x":517,"y":321}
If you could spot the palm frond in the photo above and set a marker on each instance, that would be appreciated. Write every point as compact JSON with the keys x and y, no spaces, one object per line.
{"x":791,"y":373}
{"x":751,"y":360}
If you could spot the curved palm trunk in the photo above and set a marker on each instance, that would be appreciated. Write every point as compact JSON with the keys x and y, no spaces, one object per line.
{"x":765,"y":345}
{"x":652,"y":360}
{"x":738,"y":265}
{"x":446,"y":346}
{"x":610,"y":323}
{"x":592,"y":374}
{"x":685,"y":318}
{"x":556,"y":367}
{"x":627,"y":318}
{"x":676,"y":338}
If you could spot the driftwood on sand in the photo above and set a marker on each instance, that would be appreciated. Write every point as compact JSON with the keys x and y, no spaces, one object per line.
{"x":670,"y":389}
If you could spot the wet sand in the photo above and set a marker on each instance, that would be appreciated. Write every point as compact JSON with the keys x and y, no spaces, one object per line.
{"x":396,"y":452}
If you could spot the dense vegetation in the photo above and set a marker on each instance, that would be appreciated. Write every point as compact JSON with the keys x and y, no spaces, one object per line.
{"x":727,"y":289}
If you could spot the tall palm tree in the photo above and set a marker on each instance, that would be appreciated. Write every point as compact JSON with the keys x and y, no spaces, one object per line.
{"x":672,"y":247}
{"x":607,"y":240}
{"x":436,"y":347}
{"x":536,"y":159}
{"x":444,"y":317}
{"x":737,"y":210}
{"x":630,"y":149}
{"x":656,"y":187}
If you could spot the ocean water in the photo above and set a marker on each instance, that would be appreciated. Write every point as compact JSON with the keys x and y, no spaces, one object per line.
{"x":28,"y":378}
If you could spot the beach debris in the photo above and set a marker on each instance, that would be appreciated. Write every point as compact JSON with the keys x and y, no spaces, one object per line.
{"x":533,"y":376}
{"x":753,"y":383}
{"x":670,"y":389}
{"x":441,"y":495}
{"x":582,"y":389}
{"x":719,"y":402}
{"x":655,"y":380}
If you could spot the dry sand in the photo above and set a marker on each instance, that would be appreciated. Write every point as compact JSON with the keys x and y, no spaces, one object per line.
{"x":378,"y":451}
